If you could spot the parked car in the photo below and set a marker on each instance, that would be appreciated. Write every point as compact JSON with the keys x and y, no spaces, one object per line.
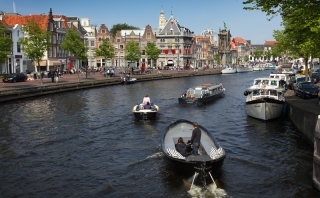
{"x":299,"y":79}
{"x":15,"y":77}
{"x":315,"y":77}
{"x":306,"y":90}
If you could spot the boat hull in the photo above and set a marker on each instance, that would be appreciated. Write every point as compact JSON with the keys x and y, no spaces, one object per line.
{"x":203,"y":163}
{"x":265,"y":109}
{"x":244,"y":69}
{"x":199,"y":101}
{"x":145,"y":114}
{"x":228,"y":71}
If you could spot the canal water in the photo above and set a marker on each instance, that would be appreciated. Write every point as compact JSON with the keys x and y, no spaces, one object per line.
{"x":86,"y":144}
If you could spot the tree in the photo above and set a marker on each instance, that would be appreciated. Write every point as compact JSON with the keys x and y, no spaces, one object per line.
{"x":133,"y":52}
{"x":152,"y":51}
{"x":246,"y":58}
{"x":301,"y":23}
{"x":257,"y":54}
{"x":218,"y":59}
{"x":73,"y":43}
{"x":121,"y":26}
{"x":5,"y":43}
{"x":106,"y":50}
{"x":35,"y":42}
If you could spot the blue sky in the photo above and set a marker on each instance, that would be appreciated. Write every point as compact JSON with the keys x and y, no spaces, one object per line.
{"x":195,"y":15}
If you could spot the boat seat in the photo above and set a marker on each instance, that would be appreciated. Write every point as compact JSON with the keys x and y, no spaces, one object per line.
{"x":174,"y":153}
{"x":216,"y":153}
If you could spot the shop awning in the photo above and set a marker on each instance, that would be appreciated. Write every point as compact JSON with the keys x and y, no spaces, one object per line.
{"x":42,"y":63}
{"x":54,"y":63}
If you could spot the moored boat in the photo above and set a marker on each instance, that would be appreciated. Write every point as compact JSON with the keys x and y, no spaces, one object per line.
{"x":269,"y":66}
{"x":142,"y":113}
{"x":265,"y":98}
{"x":211,"y":154}
{"x":258,"y":68}
{"x":202,"y":94}
{"x":242,"y":69}
{"x":229,"y":70}
{"x":127,"y":80}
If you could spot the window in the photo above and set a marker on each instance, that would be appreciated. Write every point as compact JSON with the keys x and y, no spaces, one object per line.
{"x":100,"y":39}
{"x":18,"y":47}
{"x":54,"y":39}
{"x":121,"y":46}
{"x":149,"y":35}
{"x":118,"y":40}
{"x":143,"y":52}
{"x":51,"y":27}
{"x":18,"y":33}
{"x":103,"y":31}
{"x":54,"y":52}
{"x":92,"y":43}
{"x":87,"y":43}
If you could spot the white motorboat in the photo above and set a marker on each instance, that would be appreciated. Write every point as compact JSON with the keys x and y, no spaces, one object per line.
{"x":229,"y":70}
{"x":269,"y":66}
{"x":265,"y":98}
{"x":258,"y":68}
{"x":142,"y":113}
{"x":242,"y":69}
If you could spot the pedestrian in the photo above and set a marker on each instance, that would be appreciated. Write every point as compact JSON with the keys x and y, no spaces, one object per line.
{"x":56,"y":76}
{"x":195,"y":138}
{"x":51,"y":76}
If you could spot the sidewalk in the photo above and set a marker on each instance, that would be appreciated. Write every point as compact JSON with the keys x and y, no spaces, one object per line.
{"x":67,"y":78}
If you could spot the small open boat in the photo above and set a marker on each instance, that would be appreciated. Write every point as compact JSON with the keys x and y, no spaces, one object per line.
{"x":141,"y":113}
{"x":127,"y":80}
{"x":211,"y":154}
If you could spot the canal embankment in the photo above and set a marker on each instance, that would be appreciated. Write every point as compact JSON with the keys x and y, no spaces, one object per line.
{"x":70,"y":82}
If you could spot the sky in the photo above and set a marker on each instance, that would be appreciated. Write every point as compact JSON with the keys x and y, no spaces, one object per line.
{"x":195,"y":15}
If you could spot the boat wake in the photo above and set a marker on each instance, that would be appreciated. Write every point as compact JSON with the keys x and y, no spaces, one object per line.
{"x":211,"y":191}
{"x":153,"y":156}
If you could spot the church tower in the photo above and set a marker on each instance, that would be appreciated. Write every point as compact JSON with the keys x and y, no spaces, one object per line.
{"x":162,"y":20}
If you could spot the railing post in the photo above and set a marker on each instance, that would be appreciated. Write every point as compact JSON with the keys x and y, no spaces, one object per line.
{"x":316,"y":156}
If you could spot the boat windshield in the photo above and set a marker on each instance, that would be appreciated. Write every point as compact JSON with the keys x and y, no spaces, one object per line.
{"x":256,"y":82}
{"x":274,"y":83}
{"x":259,"y":92}
{"x":198,"y":92}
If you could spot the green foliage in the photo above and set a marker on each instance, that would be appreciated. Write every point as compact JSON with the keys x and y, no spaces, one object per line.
{"x":73,"y":43}
{"x":301,"y":34}
{"x":121,"y":26}
{"x":5,"y":44}
{"x":152,"y":51}
{"x":133,"y":52}
{"x":268,"y":54}
{"x":106,"y":50}
{"x":246,"y":58}
{"x":257,"y":54}
{"x":218,"y":59}
{"x":36,"y":41}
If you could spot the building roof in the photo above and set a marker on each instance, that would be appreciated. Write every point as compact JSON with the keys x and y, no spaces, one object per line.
{"x":269,"y":42}
{"x":12,"y":20}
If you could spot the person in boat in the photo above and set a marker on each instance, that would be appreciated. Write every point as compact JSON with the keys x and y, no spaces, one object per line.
{"x":146,"y":99}
{"x":195,"y":138}
{"x":181,"y":147}
{"x":147,"y":106}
